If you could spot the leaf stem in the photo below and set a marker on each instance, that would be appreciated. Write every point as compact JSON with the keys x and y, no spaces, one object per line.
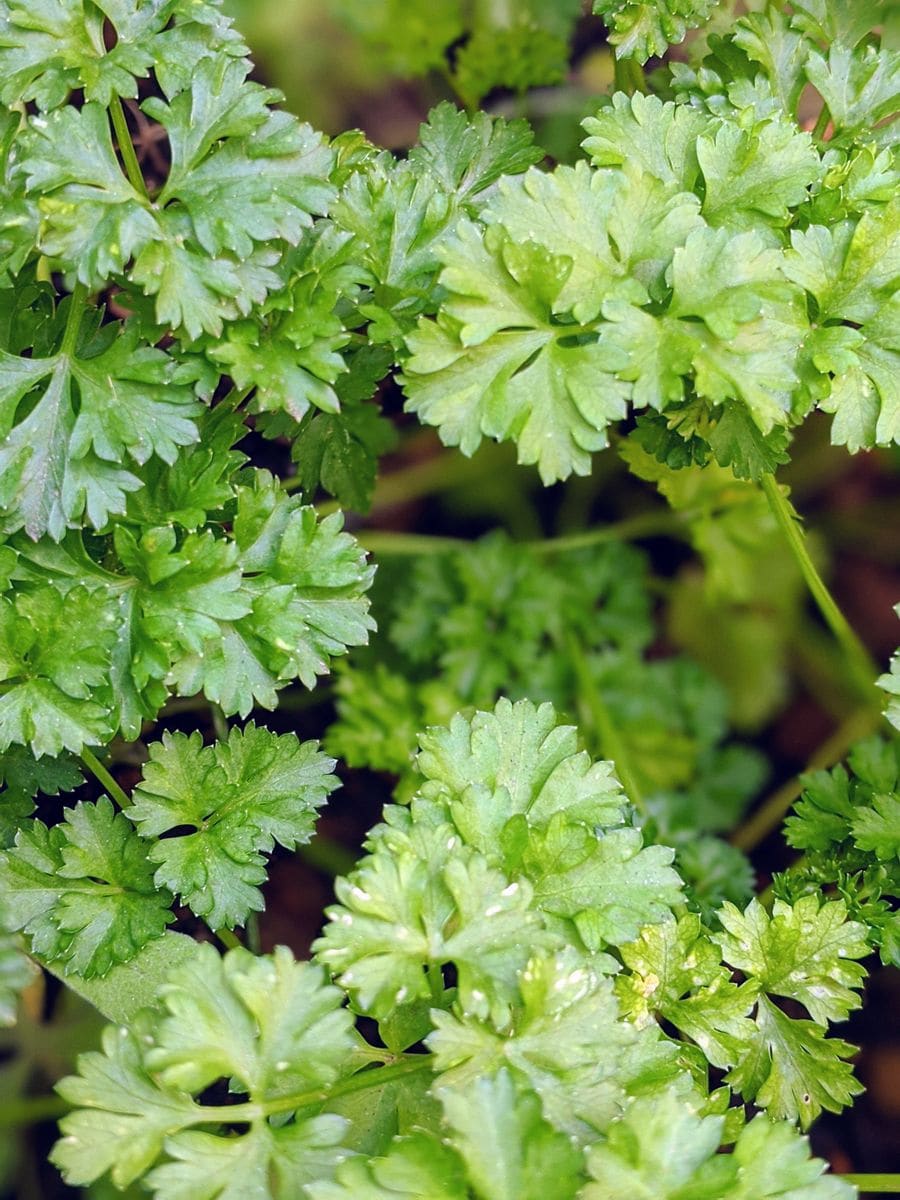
{"x":28,"y":1110}
{"x":773,"y":810}
{"x":387,"y":542}
{"x":821,"y":122}
{"x":859,"y":662}
{"x":77,"y":302}
{"x":100,"y":773}
{"x":611,"y":742}
{"x":375,"y":1077}
{"x":229,"y":939}
{"x":126,"y":148}
{"x":629,"y":76}
{"x":874,"y":1183}
{"x":328,"y":856}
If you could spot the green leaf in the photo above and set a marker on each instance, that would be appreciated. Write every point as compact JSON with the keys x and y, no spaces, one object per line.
{"x":418,"y":1167}
{"x":303,"y":602}
{"x":244,"y":175}
{"x":495,"y":364}
{"x":792,"y":1070}
{"x":269,"y":1025}
{"x":804,"y":952}
{"x":231,"y":802}
{"x":129,"y":987}
{"x":890,"y":683}
{"x":861,"y":87}
{"x":22,"y":777}
{"x":676,"y":974}
{"x":515,"y":760}
{"x":469,"y":153}
{"x":643,"y":29}
{"x":877,"y":829}
{"x":83,"y":890}
{"x":91,"y":216}
{"x":510,"y":1152}
{"x":17,"y":971}
{"x":65,"y":458}
{"x":609,"y":885}
{"x":663,"y":1149}
{"x":49,"y":49}
{"x":55,"y":653}
{"x":402,"y":912}
{"x":763,"y":172}
{"x":566,"y":1043}
{"x":737,"y":441}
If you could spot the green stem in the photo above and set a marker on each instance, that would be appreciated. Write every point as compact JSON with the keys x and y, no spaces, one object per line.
{"x":661,"y":522}
{"x":376,"y":1077}
{"x":126,"y":148}
{"x":327,"y":856}
{"x":629,"y":76}
{"x":874,"y":1183}
{"x":77,"y":302}
{"x":28,"y":1110}
{"x":220,"y":725}
{"x":772,"y":811}
{"x":822,"y":122}
{"x":611,"y":742}
{"x":103,"y":776}
{"x":229,"y":939}
{"x":403,"y":545}
{"x":859,"y":663}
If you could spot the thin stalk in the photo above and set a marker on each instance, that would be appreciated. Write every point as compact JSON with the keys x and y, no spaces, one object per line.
{"x":251,"y":934}
{"x":126,"y":148}
{"x":859,"y":662}
{"x":327,"y":856}
{"x":229,"y":939}
{"x":100,"y":773}
{"x":28,"y":1110}
{"x":74,"y":317}
{"x":220,"y":725}
{"x":629,"y":76}
{"x":821,"y":122}
{"x":650,"y":524}
{"x":874,"y":1183}
{"x":611,"y":743}
{"x":773,"y":810}
{"x":405,"y":545}
{"x":376,"y":1077}
{"x":387,"y":542}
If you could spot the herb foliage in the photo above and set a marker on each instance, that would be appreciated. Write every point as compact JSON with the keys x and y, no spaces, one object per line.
{"x":549,"y":974}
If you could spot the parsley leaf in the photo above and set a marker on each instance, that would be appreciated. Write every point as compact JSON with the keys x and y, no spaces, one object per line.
{"x":268,"y":1025}
{"x":643,"y":28}
{"x":83,"y":890}
{"x":238,"y":798}
{"x":566,"y":1043}
{"x":664,"y":1149}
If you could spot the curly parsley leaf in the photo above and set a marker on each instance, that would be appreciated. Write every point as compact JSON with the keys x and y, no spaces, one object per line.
{"x":675,"y":972}
{"x":804,"y":952}
{"x":642,"y":29}
{"x":269,"y":1025}
{"x":511,"y":1152}
{"x":83,"y":890}
{"x":566,"y":1043}
{"x":662,"y":1148}
{"x":85,"y":417}
{"x":55,"y":656}
{"x":231,"y":802}
{"x":415,"y":1166}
